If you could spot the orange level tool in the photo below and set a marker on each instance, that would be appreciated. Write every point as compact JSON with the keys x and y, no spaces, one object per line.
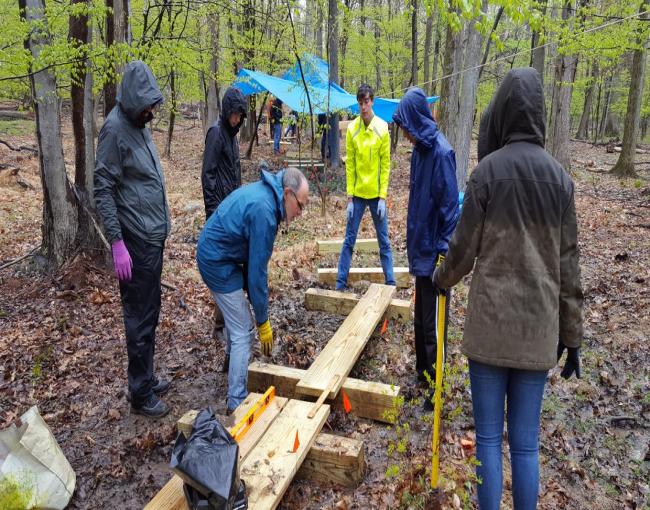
{"x":244,"y":425}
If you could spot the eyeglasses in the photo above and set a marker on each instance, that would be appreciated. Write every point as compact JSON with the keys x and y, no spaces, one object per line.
{"x":300,"y":205}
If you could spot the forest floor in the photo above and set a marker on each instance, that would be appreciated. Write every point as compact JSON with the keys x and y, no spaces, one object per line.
{"x":62,"y":347}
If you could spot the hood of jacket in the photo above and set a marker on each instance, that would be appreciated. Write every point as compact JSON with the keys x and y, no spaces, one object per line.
{"x":138,"y":90}
{"x":413,"y":114}
{"x":515,"y":114}
{"x":274,"y":181}
{"x":233,"y":102}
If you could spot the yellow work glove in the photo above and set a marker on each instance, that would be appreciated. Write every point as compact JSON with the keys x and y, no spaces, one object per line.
{"x":266,"y":337}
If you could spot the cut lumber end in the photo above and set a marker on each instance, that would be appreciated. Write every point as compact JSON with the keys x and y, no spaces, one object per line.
{"x":342,"y":303}
{"x":372,"y":274}
{"x":372,"y":400}
{"x":334,"y":245}
{"x":334,"y":459}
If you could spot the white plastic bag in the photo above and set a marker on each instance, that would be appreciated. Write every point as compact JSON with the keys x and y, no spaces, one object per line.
{"x":34,"y":473}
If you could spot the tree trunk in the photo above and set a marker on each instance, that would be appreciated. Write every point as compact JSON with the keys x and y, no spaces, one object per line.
{"x":428,"y":36}
{"x":449,"y":106}
{"x":172,"y":114}
{"x":377,"y":52}
{"x":432,"y":87}
{"x":488,"y":42}
{"x":583,"y":128}
{"x":414,"y":42}
{"x":333,"y":57}
{"x":603,"y":119}
{"x":82,"y":128}
{"x":59,"y":226}
{"x":560,"y":125}
{"x":467,"y":100}
{"x":538,"y":55}
{"x":319,"y":30}
{"x":110,"y":87}
{"x":624,"y":167}
{"x":212,"y":98}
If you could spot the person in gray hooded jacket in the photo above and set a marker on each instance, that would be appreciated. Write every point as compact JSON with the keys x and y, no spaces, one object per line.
{"x":131,"y":202}
{"x":518,"y":231}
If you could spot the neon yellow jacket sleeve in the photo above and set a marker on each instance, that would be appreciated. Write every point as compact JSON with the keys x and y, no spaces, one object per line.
{"x":350,"y":163}
{"x":384,"y":154}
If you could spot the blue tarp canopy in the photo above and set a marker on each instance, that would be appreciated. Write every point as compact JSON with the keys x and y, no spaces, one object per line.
{"x":291,"y":90}
{"x":293,"y":93}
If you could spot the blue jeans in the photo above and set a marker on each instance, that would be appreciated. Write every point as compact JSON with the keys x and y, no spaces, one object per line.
{"x":239,"y":329}
{"x":351,"y":229}
{"x":277,"y":133}
{"x":523,"y":390}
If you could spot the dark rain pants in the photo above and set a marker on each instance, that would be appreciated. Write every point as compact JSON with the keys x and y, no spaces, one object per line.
{"x":424,"y":322}
{"x":141,"y":308}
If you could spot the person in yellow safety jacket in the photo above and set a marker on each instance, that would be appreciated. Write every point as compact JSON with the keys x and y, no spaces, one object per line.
{"x":367,"y":168}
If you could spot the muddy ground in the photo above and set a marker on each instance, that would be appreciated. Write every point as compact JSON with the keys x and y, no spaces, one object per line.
{"x":62,"y":347}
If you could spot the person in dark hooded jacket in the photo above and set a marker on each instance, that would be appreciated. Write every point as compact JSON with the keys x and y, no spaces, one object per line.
{"x":221,"y":173}
{"x":432,"y":216}
{"x":518,"y":230}
{"x":131,"y":202}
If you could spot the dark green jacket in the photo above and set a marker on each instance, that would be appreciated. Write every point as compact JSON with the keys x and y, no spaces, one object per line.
{"x":129,"y":181}
{"x":518,"y":231}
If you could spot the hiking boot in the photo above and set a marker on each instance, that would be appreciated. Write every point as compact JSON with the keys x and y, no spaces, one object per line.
{"x":226,"y":364}
{"x":160,"y":386}
{"x":153,"y":407}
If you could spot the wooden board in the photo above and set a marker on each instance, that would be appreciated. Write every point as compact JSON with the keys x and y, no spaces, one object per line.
{"x":344,"y":348}
{"x":371,"y":274}
{"x":331,"y":459}
{"x":372,"y":400}
{"x":342,"y":303}
{"x":334,"y":245}
{"x":171,"y":496}
{"x":270,"y":467}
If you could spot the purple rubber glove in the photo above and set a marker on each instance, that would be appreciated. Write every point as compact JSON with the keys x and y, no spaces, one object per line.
{"x":122,"y":261}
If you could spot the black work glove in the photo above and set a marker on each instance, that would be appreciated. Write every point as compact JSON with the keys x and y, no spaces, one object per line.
{"x":434,"y":276}
{"x":572,"y":363}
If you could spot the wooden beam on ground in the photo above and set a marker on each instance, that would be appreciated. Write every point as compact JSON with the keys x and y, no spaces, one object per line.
{"x":331,"y":459}
{"x":273,"y":463}
{"x":334,"y":245}
{"x":375,"y":401}
{"x":342,"y":303}
{"x":334,"y":459}
{"x":371,"y":274}
{"x":171,"y":496}
{"x":344,"y":348}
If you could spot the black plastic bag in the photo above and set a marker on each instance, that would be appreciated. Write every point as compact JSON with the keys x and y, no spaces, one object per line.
{"x":208,"y":461}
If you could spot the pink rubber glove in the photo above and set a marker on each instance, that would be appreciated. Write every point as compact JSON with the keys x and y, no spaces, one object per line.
{"x":122,"y":261}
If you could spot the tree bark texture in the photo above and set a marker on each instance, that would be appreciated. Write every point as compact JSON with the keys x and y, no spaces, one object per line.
{"x":82,"y":128}
{"x":212,"y":98}
{"x":583,"y":127}
{"x":624,"y":167}
{"x":414,"y":42}
{"x":560,"y":124}
{"x":59,"y":226}
{"x":458,"y":92}
{"x":538,"y":55}
{"x":428,"y":36}
{"x":333,"y":54}
{"x":110,"y":87}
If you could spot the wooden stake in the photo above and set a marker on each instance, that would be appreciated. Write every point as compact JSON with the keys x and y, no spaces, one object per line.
{"x":323,"y":396}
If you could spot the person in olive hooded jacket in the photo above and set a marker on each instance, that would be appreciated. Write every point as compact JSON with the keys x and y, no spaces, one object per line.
{"x":518,"y":230}
{"x":131,"y":202}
